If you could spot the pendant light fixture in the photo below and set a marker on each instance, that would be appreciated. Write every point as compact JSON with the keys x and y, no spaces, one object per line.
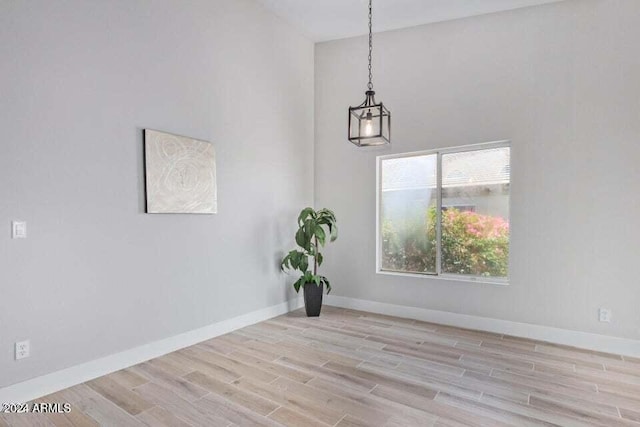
{"x":370,"y":123}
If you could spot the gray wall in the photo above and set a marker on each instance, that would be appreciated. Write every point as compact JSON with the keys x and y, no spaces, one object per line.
{"x":562,"y":82}
{"x":79,"y":81}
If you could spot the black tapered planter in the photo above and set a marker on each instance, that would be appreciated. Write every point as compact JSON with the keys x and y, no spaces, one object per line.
{"x":313,"y":299}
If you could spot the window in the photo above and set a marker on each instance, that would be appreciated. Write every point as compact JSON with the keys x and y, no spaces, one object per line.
{"x":445,"y":212}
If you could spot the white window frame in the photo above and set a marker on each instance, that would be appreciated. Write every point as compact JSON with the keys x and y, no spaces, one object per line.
{"x":438,"y":274}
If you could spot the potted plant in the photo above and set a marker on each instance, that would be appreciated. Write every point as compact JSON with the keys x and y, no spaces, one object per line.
{"x":314,"y":227}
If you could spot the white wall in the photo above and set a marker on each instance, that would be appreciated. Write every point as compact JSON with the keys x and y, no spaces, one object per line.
{"x":79,"y":81}
{"x":562,"y":82}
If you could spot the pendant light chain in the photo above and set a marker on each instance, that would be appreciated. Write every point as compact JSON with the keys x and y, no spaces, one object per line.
{"x":370,"y":84}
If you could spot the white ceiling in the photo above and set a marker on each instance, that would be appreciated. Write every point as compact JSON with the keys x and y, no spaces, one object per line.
{"x":323,"y":20}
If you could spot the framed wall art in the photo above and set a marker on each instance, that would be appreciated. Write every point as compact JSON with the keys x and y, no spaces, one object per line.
{"x":180,"y":174}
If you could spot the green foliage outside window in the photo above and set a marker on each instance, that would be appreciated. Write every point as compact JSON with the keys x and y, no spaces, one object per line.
{"x":472,"y":244}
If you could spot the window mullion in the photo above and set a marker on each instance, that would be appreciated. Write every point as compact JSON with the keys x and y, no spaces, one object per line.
{"x":439,"y":214}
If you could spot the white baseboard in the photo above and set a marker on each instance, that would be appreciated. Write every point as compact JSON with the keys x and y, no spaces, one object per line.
{"x":59,"y":380}
{"x":585,"y":340}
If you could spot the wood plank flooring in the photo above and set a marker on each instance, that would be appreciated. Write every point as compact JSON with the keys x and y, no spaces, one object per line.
{"x":352,"y":369}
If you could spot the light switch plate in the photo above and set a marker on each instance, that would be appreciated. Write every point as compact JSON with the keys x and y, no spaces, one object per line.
{"x":19,"y":230}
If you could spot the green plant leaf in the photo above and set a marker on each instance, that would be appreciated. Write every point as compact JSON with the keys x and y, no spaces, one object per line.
{"x":297,"y":259}
{"x":301,"y":239}
{"x":326,"y":213}
{"x":333,"y":229}
{"x":304,"y":214}
{"x":320,"y":234}
{"x":310,"y":232}
{"x":327,"y":284}
{"x":287,"y":261}
{"x":309,"y":227}
{"x":319,"y":258}
{"x":284,"y":263}
{"x":304,"y":263}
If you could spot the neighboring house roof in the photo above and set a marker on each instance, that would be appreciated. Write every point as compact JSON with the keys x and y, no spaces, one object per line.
{"x":469,"y":168}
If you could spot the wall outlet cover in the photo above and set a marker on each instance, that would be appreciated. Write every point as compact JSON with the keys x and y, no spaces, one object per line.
{"x":19,"y":230}
{"x":604,"y":315}
{"x":23,"y":350}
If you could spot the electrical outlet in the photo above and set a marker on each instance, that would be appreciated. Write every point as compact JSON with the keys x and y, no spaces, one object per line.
{"x":23,"y":350}
{"x":18,"y":230}
{"x":604,"y":315}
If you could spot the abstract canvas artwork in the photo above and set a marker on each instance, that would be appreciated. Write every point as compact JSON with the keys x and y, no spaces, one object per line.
{"x":180,"y":174}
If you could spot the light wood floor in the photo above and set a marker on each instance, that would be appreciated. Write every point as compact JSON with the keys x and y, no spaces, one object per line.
{"x":350,"y":369}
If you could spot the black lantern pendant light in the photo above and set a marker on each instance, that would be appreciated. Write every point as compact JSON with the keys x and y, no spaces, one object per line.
{"x":369,"y":123}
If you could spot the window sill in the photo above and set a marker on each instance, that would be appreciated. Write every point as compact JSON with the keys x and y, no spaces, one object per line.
{"x":449,"y":277}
